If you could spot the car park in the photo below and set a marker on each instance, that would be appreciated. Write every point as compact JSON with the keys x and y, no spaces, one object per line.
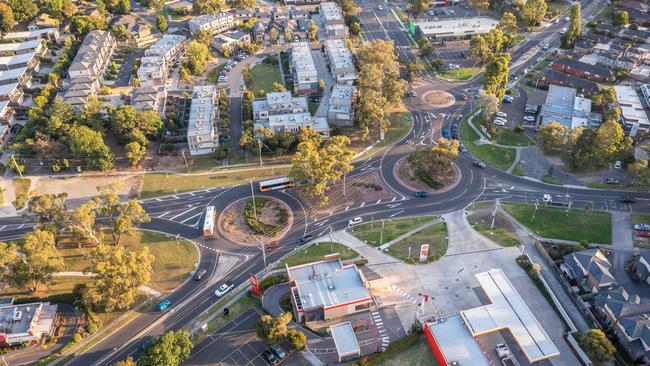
{"x":305,"y":239}
{"x":278,"y":351}
{"x":422,"y":194}
{"x":502,"y":114}
{"x":479,"y":164}
{"x":611,"y":181}
{"x":200,"y":274}
{"x":355,"y":221}
{"x":164,"y":305}
{"x":223,"y":289}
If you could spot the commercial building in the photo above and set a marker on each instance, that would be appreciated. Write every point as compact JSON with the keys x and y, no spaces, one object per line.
{"x":157,"y":60}
{"x":25,"y":322}
{"x":340,"y":110}
{"x":345,"y":341}
{"x":214,"y":23}
{"x":451,"y":341}
{"x":634,"y":116}
{"x":327,"y":290}
{"x":305,"y":77}
{"x":340,"y":61}
{"x":451,"y":29}
{"x":565,"y":107}
{"x":202,"y":134}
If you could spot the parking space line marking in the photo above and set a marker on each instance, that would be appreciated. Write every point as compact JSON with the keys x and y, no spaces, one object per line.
{"x":183,"y":213}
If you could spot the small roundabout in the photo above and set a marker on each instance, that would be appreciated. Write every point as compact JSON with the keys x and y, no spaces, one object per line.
{"x":422,"y":181}
{"x":251,"y":221}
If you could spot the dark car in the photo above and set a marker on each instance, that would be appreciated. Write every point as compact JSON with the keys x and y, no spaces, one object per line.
{"x":479,"y":164}
{"x":626,"y":200}
{"x":422,"y":194}
{"x":611,"y":181}
{"x":462,"y":148}
{"x":200,"y":274}
{"x":305,"y":239}
{"x":269,"y":357}
{"x":278,"y":351}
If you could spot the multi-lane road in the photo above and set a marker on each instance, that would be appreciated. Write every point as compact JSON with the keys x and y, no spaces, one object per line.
{"x":181,"y":214}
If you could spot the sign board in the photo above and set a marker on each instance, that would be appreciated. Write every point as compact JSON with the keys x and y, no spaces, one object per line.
{"x":424,"y":252}
{"x":255,"y":285}
{"x":412,"y":28}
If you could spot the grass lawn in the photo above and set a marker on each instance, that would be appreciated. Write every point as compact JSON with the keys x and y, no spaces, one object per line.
{"x":508,"y":136}
{"x":371,"y":232}
{"x":640,"y":218}
{"x":518,"y":38}
{"x":417,"y":354}
{"x":550,"y":222}
{"x":519,"y":170}
{"x":499,"y":234}
{"x":161,"y":184}
{"x":500,"y":157}
{"x":480,"y":205}
{"x":264,"y":75}
{"x":313,"y":107}
{"x":316,"y":252}
{"x":21,"y":186}
{"x":435,"y":236}
{"x":400,"y":124}
{"x":244,"y":303}
{"x":464,"y":73}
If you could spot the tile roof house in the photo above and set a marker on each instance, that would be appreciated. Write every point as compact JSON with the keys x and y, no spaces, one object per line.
{"x":589,"y":268}
{"x":641,"y":267}
{"x":583,"y":70}
{"x":558,"y":78}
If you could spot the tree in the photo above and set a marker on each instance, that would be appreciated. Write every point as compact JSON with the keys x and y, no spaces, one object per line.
{"x":312,"y":32}
{"x":68,"y":9}
{"x":89,"y":146}
{"x":6,"y":18}
{"x":479,"y":49}
{"x":274,"y":35}
{"x":604,"y":97}
{"x":130,"y":124}
{"x":575,"y":28}
{"x":426,"y":48}
{"x":242,"y":4}
{"x":533,"y":12}
{"x":508,"y":24}
{"x":23,"y":10}
{"x":417,"y":7}
{"x":278,"y":87}
{"x":413,"y":71}
{"x":551,"y":135}
{"x":56,"y":9}
{"x":298,"y":339}
{"x":8,"y":255}
{"x":621,"y":18}
{"x":38,"y":262}
{"x":611,"y":141}
{"x":49,"y":210}
{"x":123,"y":6}
{"x":135,"y":153}
{"x":118,"y":274}
{"x":318,"y":164}
{"x":433,"y":165}
{"x":203,"y":36}
{"x":161,"y":23}
{"x":597,"y":346}
{"x":479,"y":5}
{"x":496,"y":75}
{"x":495,"y":40}
{"x":128,"y":362}
{"x":81,"y":222}
{"x":129,"y":215}
{"x":170,"y":349}
{"x":207,"y":6}
{"x":321,"y":85}
{"x":273,"y":330}
{"x":80,"y":25}
{"x":355,"y":28}
{"x":638,"y":172}
{"x":197,"y":58}
{"x":489,"y":104}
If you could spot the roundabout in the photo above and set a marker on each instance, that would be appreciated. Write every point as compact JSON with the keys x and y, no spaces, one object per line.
{"x":250,"y":221}
{"x":405,"y":175}
{"x":438,"y":99}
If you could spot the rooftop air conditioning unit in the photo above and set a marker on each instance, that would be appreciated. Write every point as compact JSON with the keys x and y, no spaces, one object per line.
{"x":18,"y":315}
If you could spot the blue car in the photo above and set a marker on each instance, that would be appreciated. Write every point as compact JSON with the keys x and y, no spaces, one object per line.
{"x":508,"y":99}
{"x":164,"y":305}
{"x":445,"y":133}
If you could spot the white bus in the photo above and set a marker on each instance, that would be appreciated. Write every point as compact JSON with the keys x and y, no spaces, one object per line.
{"x":208,"y":223}
{"x":274,"y":184}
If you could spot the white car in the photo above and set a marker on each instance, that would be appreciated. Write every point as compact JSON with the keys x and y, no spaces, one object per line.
{"x":529,"y":119}
{"x":566,"y":19}
{"x":618,"y":164}
{"x":563,"y":30}
{"x":355,"y":221}
{"x":502,"y":114}
{"x":499,"y":122}
{"x":223,"y":289}
{"x":502,"y":350}
{"x":381,"y":7}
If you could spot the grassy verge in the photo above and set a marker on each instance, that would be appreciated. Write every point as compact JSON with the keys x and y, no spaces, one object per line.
{"x":264,"y":75}
{"x":500,"y":234}
{"x":408,"y":249}
{"x":508,"y":136}
{"x":480,"y":205}
{"x":603,"y":185}
{"x":519,"y":170}
{"x":555,"y":223}
{"x":21,"y":188}
{"x":244,"y":303}
{"x":162,"y":184}
{"x":550,"y":179}
{"x":316,"y":252}
{"x":414,"y":353}
{"x":500,"y":157}
{"x":371,"y":232}
{"x":462,"y":74}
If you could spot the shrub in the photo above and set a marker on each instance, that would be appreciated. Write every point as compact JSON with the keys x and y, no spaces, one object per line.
{"x":76,"y":338}
{"x":91,"y":328}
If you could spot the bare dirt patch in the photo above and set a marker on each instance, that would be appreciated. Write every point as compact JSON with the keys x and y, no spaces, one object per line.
{"x":438,"y":98}
{"x":82,"y":187}
{"x":364,"y":187}
{"x":233,"y":224}
{"x":407,"y":178}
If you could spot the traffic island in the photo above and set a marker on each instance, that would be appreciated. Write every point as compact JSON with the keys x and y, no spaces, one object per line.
{"x":250,"y":222}
{"x":438,"y":99}
{"x":417,"y":182}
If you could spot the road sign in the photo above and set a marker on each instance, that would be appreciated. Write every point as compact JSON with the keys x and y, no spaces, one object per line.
{"x":424,"y":252}
{"x":255,"y":285}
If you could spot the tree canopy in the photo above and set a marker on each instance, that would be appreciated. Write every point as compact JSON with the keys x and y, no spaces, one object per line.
{"x":170,"y":349}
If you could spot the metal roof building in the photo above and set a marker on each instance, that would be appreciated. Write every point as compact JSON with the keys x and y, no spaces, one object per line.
{"x":345,"y":340}
{"x":632,"y":110}
{"x":565,"y":107}
{"x":452,"y":342}
{"x":447,"y":29}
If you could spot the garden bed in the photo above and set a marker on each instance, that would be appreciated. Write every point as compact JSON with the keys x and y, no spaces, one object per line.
{"x":270,"y":220}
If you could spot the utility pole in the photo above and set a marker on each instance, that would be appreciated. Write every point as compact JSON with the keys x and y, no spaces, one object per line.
{"x":344,"y":175}
{"x":381,"y":233}
{"x":259,"y":149}
{"x":184,"y":159}
{"x":263,"y":253}
{"x":253,"y":196}
{"x":494,"y":214}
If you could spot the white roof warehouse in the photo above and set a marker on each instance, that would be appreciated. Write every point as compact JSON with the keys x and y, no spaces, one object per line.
{"x":449,"y":29}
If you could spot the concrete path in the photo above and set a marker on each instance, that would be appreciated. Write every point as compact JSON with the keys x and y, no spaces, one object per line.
{"x":372,"y":254}
{"x":622,"y":230}
{"x":8,"y":194}
{"x":462,"y":238}
{"x":409,"y":233}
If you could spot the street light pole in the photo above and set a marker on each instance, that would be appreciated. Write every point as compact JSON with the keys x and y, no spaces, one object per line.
{"x":253,"y":196}
{"x":259,"y":149}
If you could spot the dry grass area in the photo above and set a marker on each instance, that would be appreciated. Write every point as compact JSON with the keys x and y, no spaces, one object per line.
{"x":234,"y":226}
{"x":85,"y":186}
{"x":406,"y":173}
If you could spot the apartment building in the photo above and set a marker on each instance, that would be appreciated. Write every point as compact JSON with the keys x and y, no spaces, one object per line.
{"x":340,"y":61}
{"x":583,"y":70}
{"x":280,"y":112}
{"x":332,"y":17}
{"x":8,"y":49}
{"x":48,"y":34}
{"x":305,"y":77}
{"x":202,"y":134}
{"x":149,"y":99}
{"x":340,"y":110}
{"x":28,"y":60}
{"x":154,"y":66}
{"x":93,"y":55}
{"x":214,"y":23}
{"x":634,"y":116}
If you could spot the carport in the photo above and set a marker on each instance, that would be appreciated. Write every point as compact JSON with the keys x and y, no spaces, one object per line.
{"x":345,"y":341}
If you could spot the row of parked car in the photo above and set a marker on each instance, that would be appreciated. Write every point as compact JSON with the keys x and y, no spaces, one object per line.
{"x":223,"y":74}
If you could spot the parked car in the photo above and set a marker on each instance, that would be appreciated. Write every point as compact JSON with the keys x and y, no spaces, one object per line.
{"x":529,"y":119}
{"x":563,"y":31}
{"x":502,"y":350}
{"x":462,"y":148}
{"x":479,"y":164}
{"x":502,"y":114}
{"x":223,"y":289}
{"x":200,"y":274}
{"x":618,"y":164}
{"x":164,"y":305}
{"x":611,"y":181}
{"x":355,"y":221}
{"x":305,"y":239}
{"x":269,"y":357}
{"x":500,"y":121}
{"x":626,"y":200}
{"x":642,"y":227}
{"x":422,"y":194}
{"x":380,"y":7}
{"x":278,"y":351}
{"x":566,"y":19}
{"x":508,"y":99}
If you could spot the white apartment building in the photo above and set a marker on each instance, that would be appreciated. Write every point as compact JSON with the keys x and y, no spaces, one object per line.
{"x":154,"y":66}
{"x":28,"y":60}
{"x":24,"y":47}
{"x":340,"y":61}
{"x":634,"y":116}
{"x":149,"y":99}
{"x":280,"y":112}
{"x":202,"y":135}
{"x":214,"y":23}
{"x":93,"y":55}
{"x":49,"y":34}
{"x":331,"y":13}
{"x":340,"y":109}
{"x":305,"y":77}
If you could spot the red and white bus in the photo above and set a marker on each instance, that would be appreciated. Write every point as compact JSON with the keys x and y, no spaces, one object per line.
{"x":275,"y":184}
{"x":208,"y":223}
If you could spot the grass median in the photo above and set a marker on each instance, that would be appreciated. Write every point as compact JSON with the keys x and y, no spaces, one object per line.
{"x":500,"y":157}
{"x":370,"y":232}
{"x":316,"y":252}
{"x":408,"y":249}
{"x":556,"y":223}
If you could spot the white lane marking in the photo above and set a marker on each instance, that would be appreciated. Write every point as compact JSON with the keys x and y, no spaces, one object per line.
{"x":396,"y":213}
{"x":393,"y":205}
{"x":190,"y":218}
{"x":377,"y":202}
{"x":363,"y":204}
{"x":20,"y":226}
{"x":322,"y":222}
{"x":176,"y":197}
{"x":347,"y":208}
{"x":394,"y":198}
{"x":161,"y":216}
{"x":3,"y":226}
{"x":182,"y":213}
{"x":322,"y":232}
